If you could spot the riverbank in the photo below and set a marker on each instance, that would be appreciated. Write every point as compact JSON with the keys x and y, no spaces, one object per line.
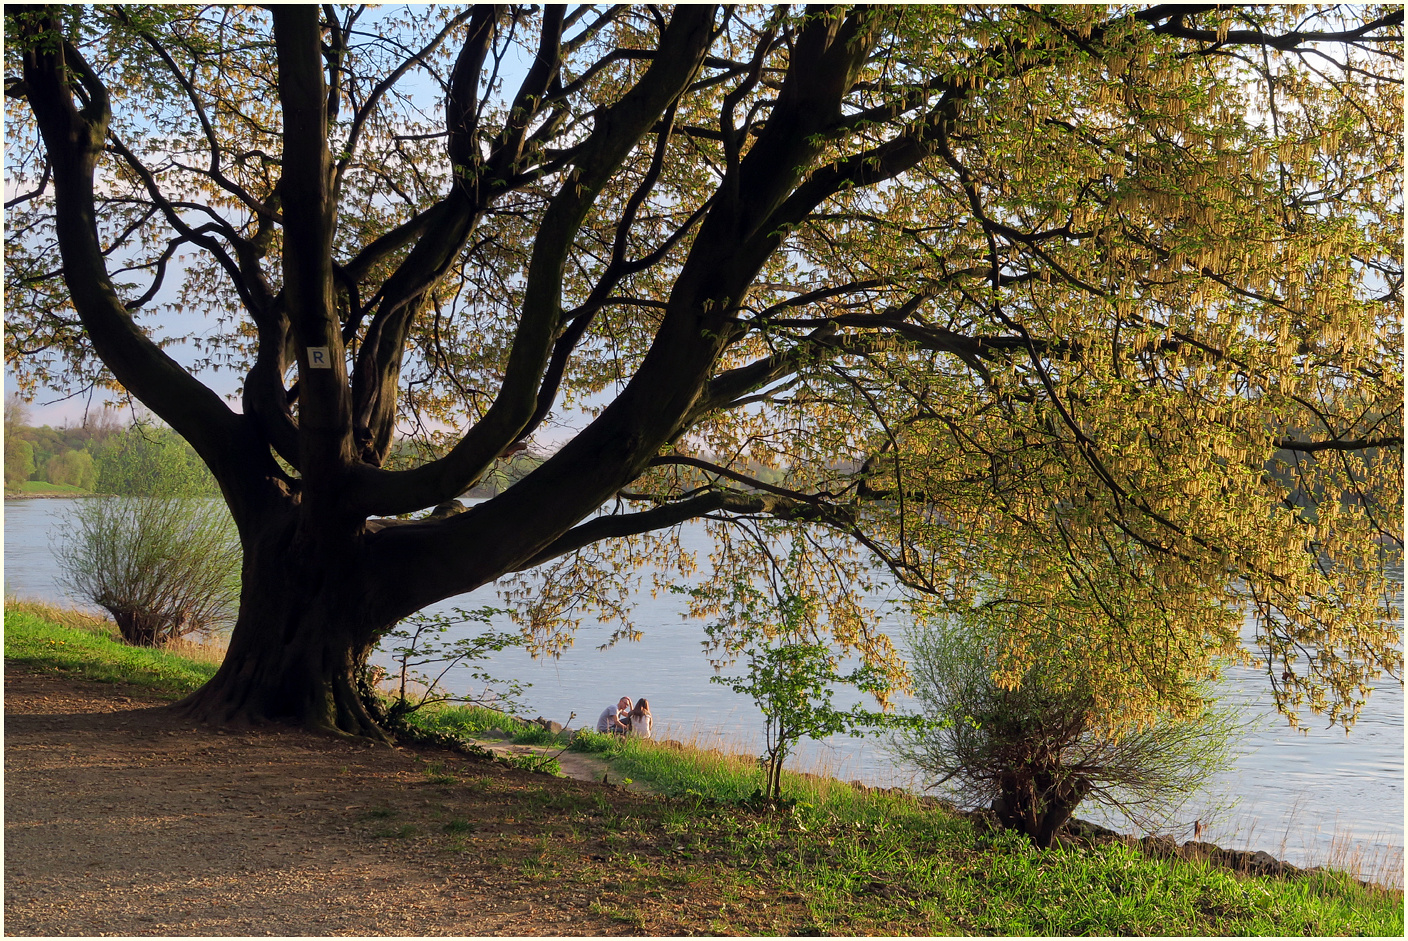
{"x":122,"y":818}
{"x":44,"y":491}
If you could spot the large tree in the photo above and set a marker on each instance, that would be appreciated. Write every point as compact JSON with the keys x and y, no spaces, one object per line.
{"x":1107,"y":299}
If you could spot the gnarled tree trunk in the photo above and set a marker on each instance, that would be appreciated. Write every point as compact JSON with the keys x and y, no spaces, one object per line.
{"x":143,"y":629}
{"x":1039,"y":804}
{"x":306,"y":625}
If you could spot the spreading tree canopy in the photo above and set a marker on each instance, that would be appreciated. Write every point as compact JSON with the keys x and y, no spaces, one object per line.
{"x":1103,"y":300}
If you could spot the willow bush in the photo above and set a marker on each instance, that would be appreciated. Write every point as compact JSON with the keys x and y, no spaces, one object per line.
{"x":162,"y":566}
{"x":1035,"y":744}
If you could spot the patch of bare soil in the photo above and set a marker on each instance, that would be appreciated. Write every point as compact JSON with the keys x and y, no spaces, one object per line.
{"x":573,"y":764}
{"x":123,"y":819}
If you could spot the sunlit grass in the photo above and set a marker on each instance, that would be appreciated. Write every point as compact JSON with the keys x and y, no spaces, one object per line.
{"x":865,"y":857}
{"x":63,"y":616}
{"x":467,"y":721}
{"x":87,"y":646}
{"x":43,"y":486}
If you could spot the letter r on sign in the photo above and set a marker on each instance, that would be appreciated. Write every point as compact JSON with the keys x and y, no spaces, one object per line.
{"x":318,"y":358}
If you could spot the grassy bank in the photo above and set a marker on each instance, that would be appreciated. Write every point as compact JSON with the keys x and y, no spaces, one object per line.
{"x":835,"y":860}
{"x":82,"y":645}
{"x":42,"y":488}
{"x":990,"y":882}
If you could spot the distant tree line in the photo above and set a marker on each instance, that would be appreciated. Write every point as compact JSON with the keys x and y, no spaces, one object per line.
{"x":146,"y":458}
{"x":103,"y":455}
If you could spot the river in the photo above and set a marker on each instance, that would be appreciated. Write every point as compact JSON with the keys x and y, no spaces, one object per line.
{"x":1311,"y":797}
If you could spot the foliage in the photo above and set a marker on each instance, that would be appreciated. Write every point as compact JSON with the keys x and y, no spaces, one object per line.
{"x":952,"y":289}
{"x":16,"y":413}
{"x":45,"y":446}
{"x":792,"y":674}
{"x":1038,"y":742}
{"x":149,"y":460}
{"x":72,"y":468}
{"x":19,"y":461}
{"x":420,"y":642}
{"x":62,"y":456}
{"x":163,"y":566}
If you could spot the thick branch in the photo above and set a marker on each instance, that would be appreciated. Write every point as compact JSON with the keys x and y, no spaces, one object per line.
{"x":324,"y":399}
{"x":476,"y":185}
{"x":632,"y":524}
{"x":481,"y":33}
{"x":1339,"y":444}
{"x":619,"y":128}
{"x":73,"y":140}
{"x":1169,"y":20}
{"x":214,"y":170}
{"x":581,"y":319}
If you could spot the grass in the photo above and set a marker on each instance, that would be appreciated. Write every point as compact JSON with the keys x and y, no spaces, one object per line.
{"x":831,"y":859}
{"x":864,"y":860}
{"x":710,"y":773}
{"x":43,"y":486}
{"x":470,"y":721}
{"x":79,"y":644}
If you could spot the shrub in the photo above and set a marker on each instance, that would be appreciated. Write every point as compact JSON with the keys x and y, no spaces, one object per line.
{"x":419,"y":644}
{"x":791,"y":673}
{"x":162,"y":566}
{"x":1038,"y":749}
{"x":73,"y":468}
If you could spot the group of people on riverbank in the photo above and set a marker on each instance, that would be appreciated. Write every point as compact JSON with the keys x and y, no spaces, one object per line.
{"x":626,"y":718}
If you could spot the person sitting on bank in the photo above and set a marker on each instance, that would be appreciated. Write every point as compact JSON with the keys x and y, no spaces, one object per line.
{"x":640,"y":722}
{"x":612,"y":716}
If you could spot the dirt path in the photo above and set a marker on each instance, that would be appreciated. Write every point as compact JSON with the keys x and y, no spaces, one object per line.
{"x":574,"y":764}
{"x":122,"y":819}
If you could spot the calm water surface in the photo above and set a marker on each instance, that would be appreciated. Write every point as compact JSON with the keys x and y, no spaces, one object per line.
{"x":1309,"y":797}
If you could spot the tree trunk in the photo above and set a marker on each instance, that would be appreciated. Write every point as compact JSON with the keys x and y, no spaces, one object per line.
{"x":1039,"y":805}
{"x":304,"y":631}
{"x":141,"y":628}
{"x":1061,"y":802}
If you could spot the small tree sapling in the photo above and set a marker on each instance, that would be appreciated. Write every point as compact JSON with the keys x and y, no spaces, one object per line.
{"x":791,"y":674}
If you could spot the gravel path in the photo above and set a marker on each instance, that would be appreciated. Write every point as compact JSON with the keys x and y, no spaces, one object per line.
{"x":121,"y":819}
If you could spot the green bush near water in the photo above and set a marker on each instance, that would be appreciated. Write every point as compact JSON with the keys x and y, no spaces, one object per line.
{"x":862,"y":862}
{"x":162,"y":566}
